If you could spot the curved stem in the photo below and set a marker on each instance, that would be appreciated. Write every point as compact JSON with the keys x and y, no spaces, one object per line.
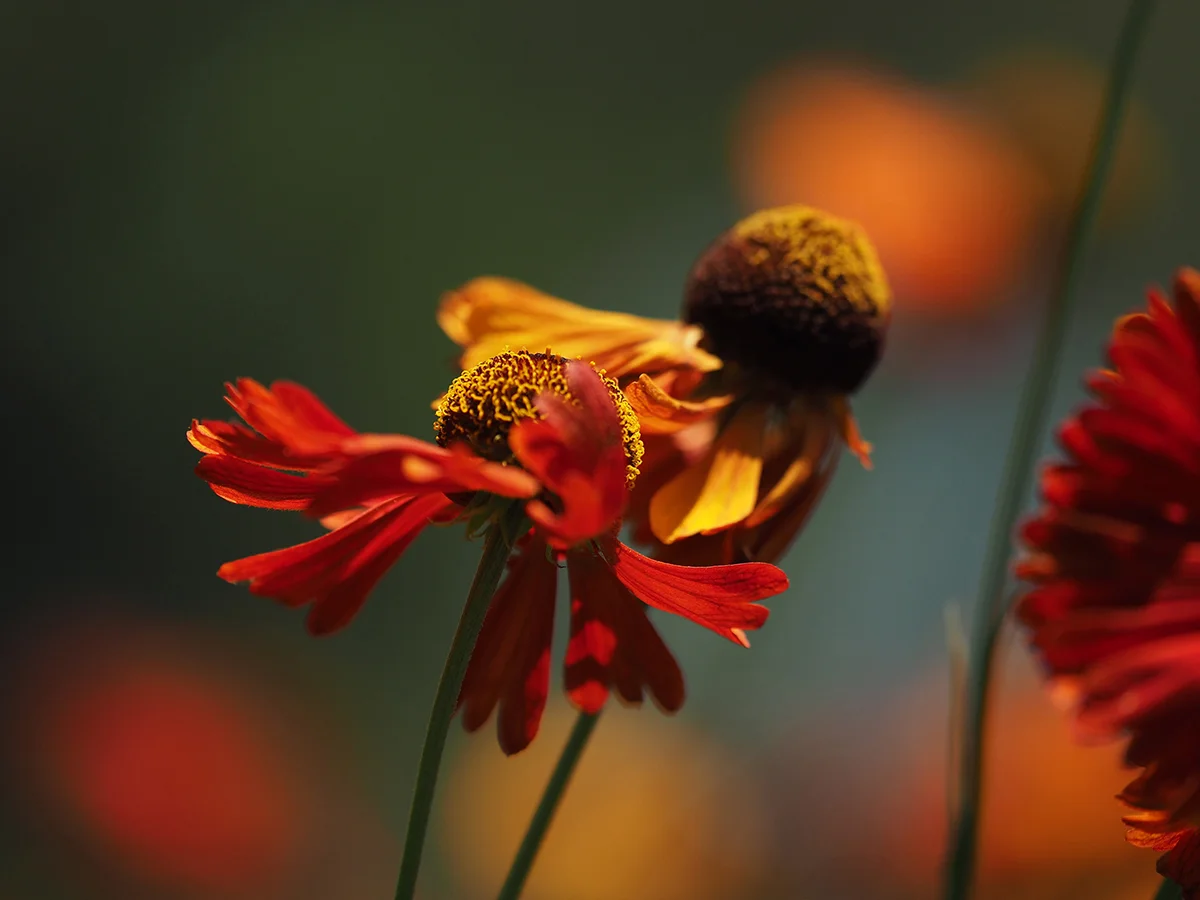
{"x":1022,"y":452}
{"x":496,"y":548}
{"x":544,"y":814}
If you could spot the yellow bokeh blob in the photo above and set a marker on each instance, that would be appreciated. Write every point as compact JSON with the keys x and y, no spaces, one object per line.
{"x":655,"y":812}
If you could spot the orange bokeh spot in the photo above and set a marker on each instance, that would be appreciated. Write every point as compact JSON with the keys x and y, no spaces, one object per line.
{"x":164,"y":766}
{"x":948,"y":201}
{"x":1051,"y":826}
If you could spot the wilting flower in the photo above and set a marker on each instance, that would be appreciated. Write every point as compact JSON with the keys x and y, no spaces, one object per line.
{"x":529,"y":427}
{"x":1115,"y":559}
{"x":745,"y":401}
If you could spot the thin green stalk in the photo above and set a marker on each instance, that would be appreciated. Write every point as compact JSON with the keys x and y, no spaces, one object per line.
{"x":544,"y":814}
{"x":496,"y":547}
{"x":1168,"y":890}
{"x":1019,"y":467}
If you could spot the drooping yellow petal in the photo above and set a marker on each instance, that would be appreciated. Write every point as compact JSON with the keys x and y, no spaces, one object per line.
{"x":660,"y":413}
{"x":720,"y":490}
{"x":489,"y":315}
{"x":814,"y":429}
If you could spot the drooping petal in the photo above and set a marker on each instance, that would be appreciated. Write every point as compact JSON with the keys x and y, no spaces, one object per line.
{"x":489,"y":315}
{"x":336,"y":572}
{"x":848,"y":428}
{"x":613,"y":644}
{"x":578,"y":453}
{"x":660,"y":413}
{"x":721,"y":598}
{"x":510,"y":666}
{"x":1180,"y":847}
{"x":721,"y":489}
{"x":803,"y":458}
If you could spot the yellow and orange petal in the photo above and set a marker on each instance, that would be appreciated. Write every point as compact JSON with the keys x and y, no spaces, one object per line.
{"x":488,"y":316}
{"x":721,"y":489}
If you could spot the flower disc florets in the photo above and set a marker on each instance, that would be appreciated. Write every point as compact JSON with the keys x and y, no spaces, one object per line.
{"x":482,"y":404}
{"x":795,"y":295}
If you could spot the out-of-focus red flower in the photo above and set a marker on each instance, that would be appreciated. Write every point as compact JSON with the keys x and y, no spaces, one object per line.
{"x":911,"y":166}
{"x":162,"y":767}
{"x":748,"y":398}
{"x":531,"y":427}
{"x":1114,"y":556}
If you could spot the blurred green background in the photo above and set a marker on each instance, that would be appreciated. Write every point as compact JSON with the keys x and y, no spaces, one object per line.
{"x":194,"y":192}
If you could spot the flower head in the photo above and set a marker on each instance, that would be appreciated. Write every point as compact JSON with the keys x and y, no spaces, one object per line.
{"x":523,"y":427}
{"x":1115,"y":562}
{"x":744,"y":403}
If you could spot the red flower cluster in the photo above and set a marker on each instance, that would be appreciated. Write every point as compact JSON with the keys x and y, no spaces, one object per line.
{"x":1115,"y":560}
{"x":568,"y":455}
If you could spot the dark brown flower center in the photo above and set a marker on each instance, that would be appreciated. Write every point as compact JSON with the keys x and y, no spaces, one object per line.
{"x":481,"y":405}
{"x":794,"y":295}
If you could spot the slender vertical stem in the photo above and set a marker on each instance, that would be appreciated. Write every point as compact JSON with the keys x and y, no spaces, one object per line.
{"x":544,"y":814}
{"x":496,"y":548}
{"x":1168,"y":890}
{"x":960,"y":863}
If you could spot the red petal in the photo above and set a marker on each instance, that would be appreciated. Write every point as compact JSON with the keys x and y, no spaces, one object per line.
{"x":577,"y":452}
{"x":251,"y":484}
{"x":288,"y":414}
{"x":510,"y":666}
{"x":336,"y":571}
{"x":343,"y":469}
{"x":721,"y":598}
{"x":1182,"y":864}
{"x":613,"y":644}
{"x":409,"y":466}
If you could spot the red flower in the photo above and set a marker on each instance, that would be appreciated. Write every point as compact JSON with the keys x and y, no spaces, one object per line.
{"x":1115,"y":611}
{"x":520,"y":426}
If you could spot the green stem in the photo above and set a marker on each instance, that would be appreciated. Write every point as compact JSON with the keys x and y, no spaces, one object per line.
{"x":1168,"y":890}
{"x":551,"y":797}
{"x":496,"y":547}
{"x":1022,"y":453}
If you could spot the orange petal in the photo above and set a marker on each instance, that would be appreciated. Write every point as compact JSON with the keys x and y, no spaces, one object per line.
{"x":721,"y":489}
{"x":849,"y":430}
{"x":660,"y":413}
{"x":769,"y":540}
{"x":487,"y":316}
{"x":811,"y":450}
